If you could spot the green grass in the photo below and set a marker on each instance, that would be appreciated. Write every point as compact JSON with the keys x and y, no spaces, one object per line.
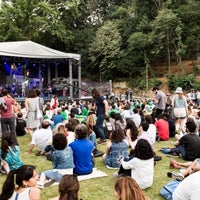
{"x":97,"y":188}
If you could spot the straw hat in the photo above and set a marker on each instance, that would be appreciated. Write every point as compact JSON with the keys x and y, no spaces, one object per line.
{"x":179,"y":90}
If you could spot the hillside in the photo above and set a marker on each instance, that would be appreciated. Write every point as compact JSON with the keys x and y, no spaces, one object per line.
{"x":161,"y":72}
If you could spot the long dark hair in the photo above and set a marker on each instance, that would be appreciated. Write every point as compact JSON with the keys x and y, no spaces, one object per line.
{"x":130,"y":124}
{"x":143,"y":150}
{"x":24,"y":173}
{"x":6,"y":142}
{"x":95,"y":93}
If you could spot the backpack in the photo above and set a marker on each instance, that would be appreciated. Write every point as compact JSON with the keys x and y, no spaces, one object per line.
{"x":168,"y":189}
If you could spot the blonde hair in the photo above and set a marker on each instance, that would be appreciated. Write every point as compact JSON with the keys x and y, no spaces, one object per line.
{"x":128,"y":189}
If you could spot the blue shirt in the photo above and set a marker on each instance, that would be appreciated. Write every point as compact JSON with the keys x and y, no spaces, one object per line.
{"x":82,"y":153}
{"x":58,"y":119}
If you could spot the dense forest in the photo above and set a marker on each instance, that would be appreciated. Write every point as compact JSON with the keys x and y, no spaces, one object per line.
{"x":116,"y":38}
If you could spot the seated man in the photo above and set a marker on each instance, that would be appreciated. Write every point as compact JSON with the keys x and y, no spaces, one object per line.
{"x":162,"y":127}
{"x":189,"y":144}
{"x":41,"y":137}
{"x":188,"y":188}
{"x":82,"y":149}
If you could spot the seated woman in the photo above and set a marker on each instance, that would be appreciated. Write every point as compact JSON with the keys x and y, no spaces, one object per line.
{"x":116,"y":148}
{"x":82,"y":149}
{"x":62,"y":161}
{"x":26,"y":179}
{"x":68,"y":188}
{"x":10,"y":152}
{"x":131,"y":132}
{"x":141,"y":166}
{"x":126,"y":188}
{"x":119,"y":122}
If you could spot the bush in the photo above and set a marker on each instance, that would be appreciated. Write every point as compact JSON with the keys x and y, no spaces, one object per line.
{"x":185,"y":81}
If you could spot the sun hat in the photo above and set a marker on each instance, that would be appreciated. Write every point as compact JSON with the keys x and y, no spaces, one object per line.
{"x":179,"y":90}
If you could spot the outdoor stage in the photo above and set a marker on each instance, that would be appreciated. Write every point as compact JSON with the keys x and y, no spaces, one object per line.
{"x":61,"y":98}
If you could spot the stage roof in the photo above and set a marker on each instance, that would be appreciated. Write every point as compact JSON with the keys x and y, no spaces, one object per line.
{"x":29,"y":49}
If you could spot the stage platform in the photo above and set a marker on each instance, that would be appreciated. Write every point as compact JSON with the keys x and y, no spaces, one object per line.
{"x":61,"y":98}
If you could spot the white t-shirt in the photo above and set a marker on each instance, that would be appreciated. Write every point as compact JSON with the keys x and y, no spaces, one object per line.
{"x":152,"y":132}
{"x":42,"y":138}
{"x":137,"y":119}
{"x":189,"y":188}
{"x":141,"y":171}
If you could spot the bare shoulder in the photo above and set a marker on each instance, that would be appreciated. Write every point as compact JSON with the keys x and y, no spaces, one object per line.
{"x":34,"y":193}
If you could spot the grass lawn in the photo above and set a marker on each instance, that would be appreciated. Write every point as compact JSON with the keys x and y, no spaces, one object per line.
{"x":97,"y":188}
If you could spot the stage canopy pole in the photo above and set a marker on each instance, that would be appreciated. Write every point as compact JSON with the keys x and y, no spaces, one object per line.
{"x":79,"y":79}
{"x":70,"y":79}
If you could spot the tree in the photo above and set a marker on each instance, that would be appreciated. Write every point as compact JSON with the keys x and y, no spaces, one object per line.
{"x":105,"y":49}
{"x":163,"y":30}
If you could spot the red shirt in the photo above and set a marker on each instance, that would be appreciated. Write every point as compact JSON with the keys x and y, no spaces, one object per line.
{"x":162,"y":129}
{"x":9,"y":103}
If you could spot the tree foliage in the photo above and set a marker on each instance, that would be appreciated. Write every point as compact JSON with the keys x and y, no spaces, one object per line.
{"x":115,"y":38}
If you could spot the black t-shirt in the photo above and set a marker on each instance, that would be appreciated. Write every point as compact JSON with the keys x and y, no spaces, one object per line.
{"x":191,"y":143}
{"x":20,"y":127}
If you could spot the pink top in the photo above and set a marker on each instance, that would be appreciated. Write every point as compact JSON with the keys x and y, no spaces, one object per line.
{"x":9,"y":103}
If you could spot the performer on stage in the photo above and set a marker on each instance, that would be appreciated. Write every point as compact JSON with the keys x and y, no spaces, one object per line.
{"x":24,"y":87}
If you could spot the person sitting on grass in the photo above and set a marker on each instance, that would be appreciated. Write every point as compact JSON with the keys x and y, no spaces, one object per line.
{"x":20,"y":125}
{"x":82,"y":149}
{"x":188,"y":146}
{"x":162,"y":127}
{"x":188,"y":189}
{"x":186,"y":168}
{"x":131,"y":132}
{"x":26,"y":178}
{"x":10,"y":152}
{"x":41,"y":137}
{"x":127,"y":188}
{"x":144,"y":126}
{"x":141,"y":166}
{"x":58,"y":118}
{"x":116,"y":148}
{"x":62,"y":161}
{"x":68,"y":188}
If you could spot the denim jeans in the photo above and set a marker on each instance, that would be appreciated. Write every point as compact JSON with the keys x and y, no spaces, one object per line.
{"x":99,"y":126}
{"x":92,"y":138}
{"x":57,"y":174}
{"x":8,"y":125}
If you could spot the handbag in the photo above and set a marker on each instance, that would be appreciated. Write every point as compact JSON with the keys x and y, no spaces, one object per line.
{"x":38,"y":113}
{"x":168,"y":189}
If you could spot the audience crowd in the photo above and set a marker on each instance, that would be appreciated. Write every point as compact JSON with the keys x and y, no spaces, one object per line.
{"x":67,"y":134}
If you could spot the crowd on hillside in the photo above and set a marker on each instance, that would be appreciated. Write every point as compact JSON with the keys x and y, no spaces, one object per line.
{"x":67,"y":134}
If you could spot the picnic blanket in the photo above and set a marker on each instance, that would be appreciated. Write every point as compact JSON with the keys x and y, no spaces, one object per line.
{"x":95,"y":174}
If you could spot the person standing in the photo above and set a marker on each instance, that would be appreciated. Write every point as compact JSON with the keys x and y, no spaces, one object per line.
{"x":160,"y":100}
{"x":8,"y":116}
{"x":54,"y":102}
{"x":101,"y":112}
{"x":179,"y":103}
{"x":31,"y":103}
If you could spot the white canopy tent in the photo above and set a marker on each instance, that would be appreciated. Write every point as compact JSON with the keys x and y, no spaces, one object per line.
{"x":29,"y":49}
